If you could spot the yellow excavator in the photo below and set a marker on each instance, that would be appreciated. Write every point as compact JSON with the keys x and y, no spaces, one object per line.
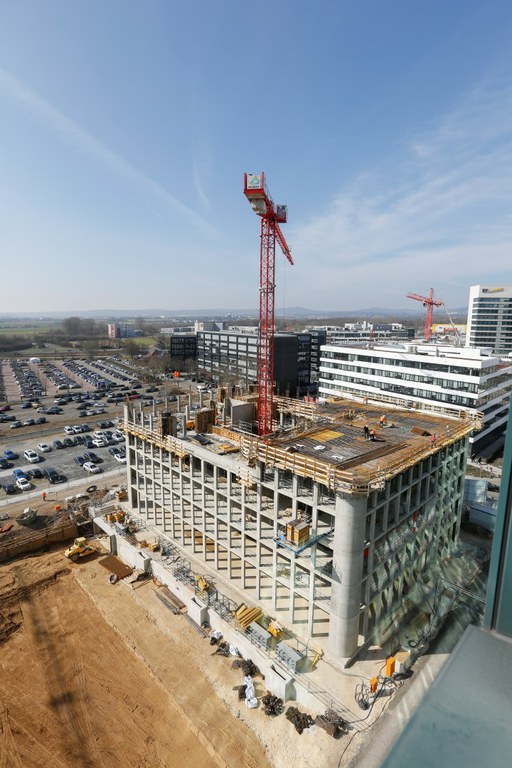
{"x":80,"y":548}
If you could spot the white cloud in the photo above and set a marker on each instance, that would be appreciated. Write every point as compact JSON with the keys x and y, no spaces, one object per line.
{"x":436,"y":214}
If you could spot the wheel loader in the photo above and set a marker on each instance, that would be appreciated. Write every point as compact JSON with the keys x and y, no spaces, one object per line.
{"x":80,"y":548}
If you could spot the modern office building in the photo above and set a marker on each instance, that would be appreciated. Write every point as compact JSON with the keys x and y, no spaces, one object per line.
{"x":323,"y":528}
{"x":365,"y":332}
{"x":456,"y":378}
{"x":490,"y":318}
{"x":233,"y":355}
{"x":182,"y":348}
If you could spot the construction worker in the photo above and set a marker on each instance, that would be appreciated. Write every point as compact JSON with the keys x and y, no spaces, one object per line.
{"x":383,"y":421}
{"x":373,"y":435}
{"x":433,"y":440}
{"x":43,"y":495}
{"x":366,"y":431}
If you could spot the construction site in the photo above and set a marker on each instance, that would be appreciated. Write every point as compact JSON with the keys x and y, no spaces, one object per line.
{"x":269,"y":567}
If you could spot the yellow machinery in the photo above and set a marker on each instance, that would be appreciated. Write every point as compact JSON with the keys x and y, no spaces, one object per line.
{"x":80,"y":548}
{"x":203,"y":585}
{"x":275,"y":629}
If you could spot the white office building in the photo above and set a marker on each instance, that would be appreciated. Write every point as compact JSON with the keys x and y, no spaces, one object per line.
{"x":422,"y":376}
{"x":490,"y":318}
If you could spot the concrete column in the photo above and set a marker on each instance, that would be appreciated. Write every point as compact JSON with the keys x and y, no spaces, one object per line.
{"x":189,"y":398}
{"x":178,"y":403}
{"x":348,"y":549}
{"x":200,"y":399}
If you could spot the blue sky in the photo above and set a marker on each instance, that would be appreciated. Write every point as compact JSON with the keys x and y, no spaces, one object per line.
{"x":126,"y":126}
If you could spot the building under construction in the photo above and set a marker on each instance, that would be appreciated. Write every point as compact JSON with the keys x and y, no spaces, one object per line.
{"x":328,"y":524}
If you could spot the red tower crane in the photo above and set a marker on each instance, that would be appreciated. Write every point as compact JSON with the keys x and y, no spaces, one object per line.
{"x":271,"y":215}
{"x":429,"y":302}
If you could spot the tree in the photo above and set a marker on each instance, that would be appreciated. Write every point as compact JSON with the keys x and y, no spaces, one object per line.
{"x":131,"y":348}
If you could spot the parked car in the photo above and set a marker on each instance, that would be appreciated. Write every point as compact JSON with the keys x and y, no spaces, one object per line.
{"x":79,"y":460}
{"x":120,"y":457}
{"x":29,"y":423}
{"x":10,"y":455}
{"x":44,"y":447}
{"x":91,"y":468}
{"x":40,"y":420}
{"x":4,"y":464}
{"x":10,"y":488}
{"x":69,"y":430}
{"x":18,"y":473}
{"x":53,"y":476}
{"x":15,"y":424}
{"x":68,"y":442}
{"x":91,"y":456}
{"x":23,"y":484}
{"x":54,"y":409}
{"x":58,"y":444}
{"x":35,"y":474}
{"x":31,"y":456}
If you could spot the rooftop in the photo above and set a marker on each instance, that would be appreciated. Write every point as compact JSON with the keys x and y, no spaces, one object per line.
{"x":328,"y":441}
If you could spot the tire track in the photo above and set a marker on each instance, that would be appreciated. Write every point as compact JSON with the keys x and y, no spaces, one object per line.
{"x":60,"y":663}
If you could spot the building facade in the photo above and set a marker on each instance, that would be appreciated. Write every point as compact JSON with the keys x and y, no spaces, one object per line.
{"x":490,"y":318}
{"x":323,"y":529}
{"x":425,"y":375}
{"x":225,"y":355}
{"x":182,"y":348}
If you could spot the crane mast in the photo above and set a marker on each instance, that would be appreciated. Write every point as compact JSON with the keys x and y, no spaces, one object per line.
{"x":271,"y":216}
{"x":429,"y":302}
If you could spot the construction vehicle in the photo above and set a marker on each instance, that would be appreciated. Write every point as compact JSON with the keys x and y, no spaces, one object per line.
{"x":80,"y":548}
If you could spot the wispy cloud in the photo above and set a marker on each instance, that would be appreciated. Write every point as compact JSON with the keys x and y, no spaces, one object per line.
{"x":87,"y":144}
{"x":439,"y":212}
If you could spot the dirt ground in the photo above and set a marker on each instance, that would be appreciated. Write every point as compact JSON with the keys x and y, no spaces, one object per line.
{"x":74,"y":693}
{"x":96,"y":675}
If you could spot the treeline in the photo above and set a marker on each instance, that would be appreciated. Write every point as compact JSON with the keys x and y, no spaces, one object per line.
{"x":14,"y":343}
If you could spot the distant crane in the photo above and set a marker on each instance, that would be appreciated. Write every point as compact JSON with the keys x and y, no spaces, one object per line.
{"x":429,"y":302}
{"x":271,"y":215}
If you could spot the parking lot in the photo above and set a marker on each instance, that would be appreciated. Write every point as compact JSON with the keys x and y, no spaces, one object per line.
{"x":64,"y":409}
{"x":59,"y":420}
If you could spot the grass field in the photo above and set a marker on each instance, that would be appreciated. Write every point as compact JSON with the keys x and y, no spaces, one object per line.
{"x":7,"y":329}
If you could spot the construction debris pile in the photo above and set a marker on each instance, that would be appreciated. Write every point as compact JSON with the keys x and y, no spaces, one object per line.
{"x":300,"y":720}
{"x":332,"y":723}
{"x":247,"y":666}
{"x":273,"y":705}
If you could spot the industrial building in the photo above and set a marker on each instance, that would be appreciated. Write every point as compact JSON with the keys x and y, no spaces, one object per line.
{"x":328,"y":525}
{"x":490,"y":318}
{"x":425,"y":375}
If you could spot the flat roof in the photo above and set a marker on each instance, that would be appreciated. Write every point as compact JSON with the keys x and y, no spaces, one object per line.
{"x":342,"y":442}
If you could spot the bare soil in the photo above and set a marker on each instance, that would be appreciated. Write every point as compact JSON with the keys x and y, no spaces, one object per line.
{"x":76,"y":692}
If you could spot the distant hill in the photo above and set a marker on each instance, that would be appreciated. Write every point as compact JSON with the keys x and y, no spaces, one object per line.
{"x":223,"y":313}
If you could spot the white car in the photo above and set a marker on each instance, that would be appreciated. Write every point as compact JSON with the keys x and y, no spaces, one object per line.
{"x":23,"y":484}
{"x":31,"y":456}
{"x":99,"y":442}
{"x":69,"y":430}
{"x":120,"y":458}
{"x":91,"y":468}
{"x":44,"y":447}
